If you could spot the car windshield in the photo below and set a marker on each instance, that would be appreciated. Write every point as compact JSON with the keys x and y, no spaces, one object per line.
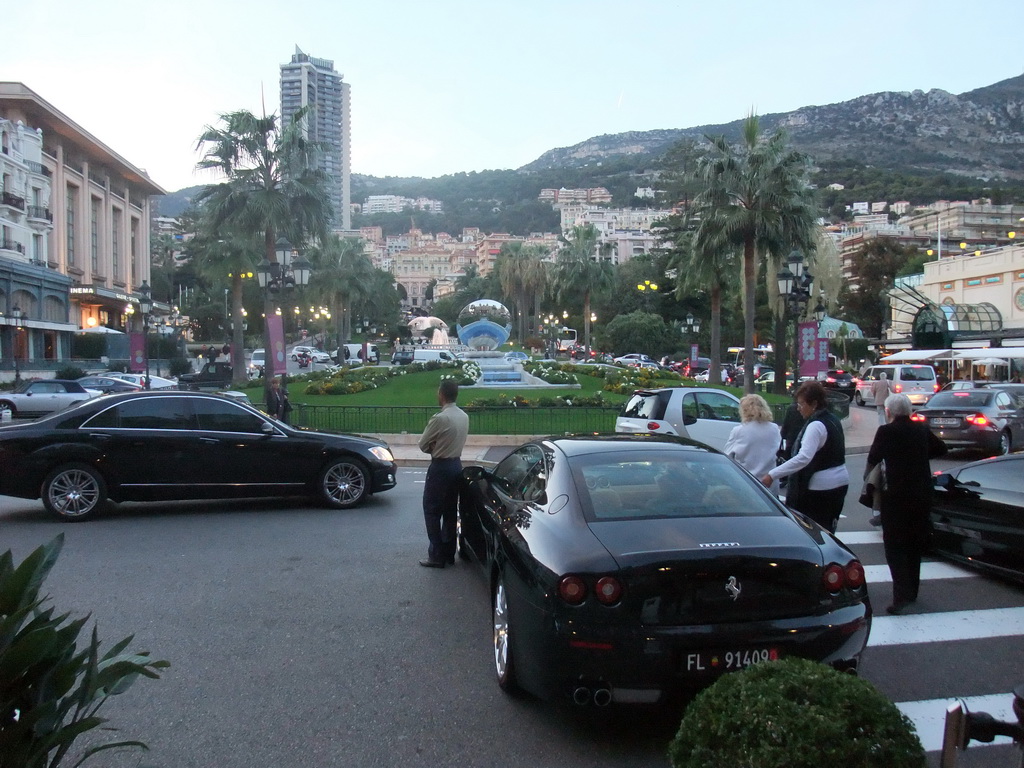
{"x":644,"y":405}
{"x":962,"y":398}
{"x":666,"y":484}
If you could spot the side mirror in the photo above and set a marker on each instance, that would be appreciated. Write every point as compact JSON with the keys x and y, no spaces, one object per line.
{"x":474,"y":474}
{"x":944,"y":481}
{"x":268,"y":428}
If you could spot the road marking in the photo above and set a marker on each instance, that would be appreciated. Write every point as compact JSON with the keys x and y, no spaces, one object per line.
{"x":929,"y":716}
{"x":879,"y":574}
{"x":946,"y":626}
{"x":860,"y":537}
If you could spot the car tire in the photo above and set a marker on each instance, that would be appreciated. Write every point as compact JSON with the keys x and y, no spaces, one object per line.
{"x":858,"y":399}
{"x":9,"y":406}
{"x":1005,"y":443}
{"x":344,"y":483}
{"x":504,"y":665}
{"x":74,"y":492}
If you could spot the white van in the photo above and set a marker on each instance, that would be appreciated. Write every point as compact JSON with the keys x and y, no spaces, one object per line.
{"x":437,"y":355}
{"x":917,"y":382}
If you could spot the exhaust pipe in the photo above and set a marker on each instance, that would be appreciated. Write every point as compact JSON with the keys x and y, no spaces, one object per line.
{"x":581,"y":696}
{"x":602,"y":697}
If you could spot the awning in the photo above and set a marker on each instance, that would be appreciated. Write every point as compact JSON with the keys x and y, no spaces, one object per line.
{"x":1015,"y":353}
{"x":918,"y":355}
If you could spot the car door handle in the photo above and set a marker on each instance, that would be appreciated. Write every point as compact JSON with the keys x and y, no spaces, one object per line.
{"x":98,"y":436}
{"x":209,"y":440}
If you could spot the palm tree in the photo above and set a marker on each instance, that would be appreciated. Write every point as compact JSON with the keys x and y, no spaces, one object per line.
{"x":273,"y":186}
{"x":755,"y":197}
{"x":698,"y":270}
{"x":342,"y":275}
{"x":522,"y":275}
{"x":582,"y":266}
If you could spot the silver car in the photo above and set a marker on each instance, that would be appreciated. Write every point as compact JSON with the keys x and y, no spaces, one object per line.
{"x":37,"y":398}
{"x":706,"y":415}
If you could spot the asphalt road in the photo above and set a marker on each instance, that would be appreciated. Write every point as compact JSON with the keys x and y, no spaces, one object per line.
{"x":309,"y":637}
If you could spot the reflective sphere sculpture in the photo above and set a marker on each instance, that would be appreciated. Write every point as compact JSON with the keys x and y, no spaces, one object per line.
{"x":484,"y":324}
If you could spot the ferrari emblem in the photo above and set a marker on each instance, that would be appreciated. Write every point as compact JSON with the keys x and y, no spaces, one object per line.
{"x":733,"y":588}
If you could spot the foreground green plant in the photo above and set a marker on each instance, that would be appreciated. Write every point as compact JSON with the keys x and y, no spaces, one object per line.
{"x":794,"y":713}
{"x":50,"y":689}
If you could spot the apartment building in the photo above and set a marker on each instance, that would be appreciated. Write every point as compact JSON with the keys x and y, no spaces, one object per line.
{"x":307,"y":81}
{"x":75,"y":220}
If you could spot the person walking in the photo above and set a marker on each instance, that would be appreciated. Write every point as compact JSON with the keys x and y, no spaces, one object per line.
{"x":754,"y":442}
{"x":904,"y":449}
{"x":278,"y":405}
{"x":444,"y":438}
{"x":880,"y":390}
{"x":818,"y":475}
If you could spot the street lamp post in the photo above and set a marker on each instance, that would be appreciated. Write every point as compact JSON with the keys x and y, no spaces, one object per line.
{"x":17,"y":314}
{"x":647,"y":288}
{"x":277,"y":277}
{"x":796,"y":286}
{"x":145,"y":306}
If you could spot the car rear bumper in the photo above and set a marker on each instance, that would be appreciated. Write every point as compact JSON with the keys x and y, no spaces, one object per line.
{"x":983,"y":438}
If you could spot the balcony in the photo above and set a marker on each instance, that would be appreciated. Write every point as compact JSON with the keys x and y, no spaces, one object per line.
{"x":11,"y":245}
{"x":39,"y":168}
{"x":12,"y":201}
{"x":39,"y":212}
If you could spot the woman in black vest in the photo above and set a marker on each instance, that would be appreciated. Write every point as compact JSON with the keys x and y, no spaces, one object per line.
{"x":817,"y":471}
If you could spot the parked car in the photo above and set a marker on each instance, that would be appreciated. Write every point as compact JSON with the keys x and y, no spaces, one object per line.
{"x":962,"y":384}
{"x":402,"y":357}
{"x":515,"y":356}
{"x":705,"y":375}
{"x":37,"y":398}
{"x":767,"y":379}
{"x":622,"y":568}
{"x":839,"y":380}
{"x":213,"y":376}
{"x":988,"y":419}
{"x":257,"y":364}
{"x":152,"y":446}
{"x":108,"y":384}
{"x":978,"y":515}
{"x":139,"y":379}
{"x":918,"y":382}
{"x":313,"y":354}
{"x":636,"y":359}
{"x":706,"y":415}
{"x":352,"y":354}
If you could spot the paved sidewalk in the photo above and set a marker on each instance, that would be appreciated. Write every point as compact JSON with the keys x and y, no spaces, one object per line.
{"x":859,"y":427}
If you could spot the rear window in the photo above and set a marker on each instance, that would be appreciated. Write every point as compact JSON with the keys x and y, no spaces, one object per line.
{"x":666,"y":484}
{"x":917,"y":373}
{"x":963,"y":398}
{"x":645,"y":405}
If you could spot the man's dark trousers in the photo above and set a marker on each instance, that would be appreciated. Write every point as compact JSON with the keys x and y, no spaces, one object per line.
{"x":441,"y":508}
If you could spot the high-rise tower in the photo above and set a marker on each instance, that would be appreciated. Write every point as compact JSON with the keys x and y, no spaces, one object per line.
{"x":309,"y":81}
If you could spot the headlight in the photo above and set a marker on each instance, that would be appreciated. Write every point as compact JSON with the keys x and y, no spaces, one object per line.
{"x":382,"y":453}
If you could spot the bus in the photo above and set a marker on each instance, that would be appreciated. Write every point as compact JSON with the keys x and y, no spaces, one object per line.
{"x":566,"y":339}
{"x":736,"y":355}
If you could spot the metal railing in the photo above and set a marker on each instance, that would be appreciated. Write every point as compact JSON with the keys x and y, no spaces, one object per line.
{"x":489,"y":420}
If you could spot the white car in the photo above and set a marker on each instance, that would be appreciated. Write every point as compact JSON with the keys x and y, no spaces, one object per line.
{"x":705,"y":415}
{"x":37,"y":398}
{"x":704,"y":376}
{"x":314,"y":354}
{"x":139,"y":380}
{"x":637,"y":359}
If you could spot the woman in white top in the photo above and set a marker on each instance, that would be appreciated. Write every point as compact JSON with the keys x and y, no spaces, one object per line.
{"x":754,"y":442}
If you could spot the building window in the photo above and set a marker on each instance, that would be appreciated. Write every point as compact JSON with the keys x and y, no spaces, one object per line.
{"x":115,"y":244}
{"x":133,"y":248}
{"x":70,"y":216}
{"x":94,"y":223}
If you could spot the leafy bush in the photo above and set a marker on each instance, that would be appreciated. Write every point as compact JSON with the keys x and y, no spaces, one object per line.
{"x":50,"y":689}
{"x":121,"y":366}
{"x":179,"y":366}
{"x":69,"y":372}
{"x":794,"y":713}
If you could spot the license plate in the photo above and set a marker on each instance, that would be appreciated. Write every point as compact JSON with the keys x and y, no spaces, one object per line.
{"x":941,"y":422}
{"x":699,"y":662}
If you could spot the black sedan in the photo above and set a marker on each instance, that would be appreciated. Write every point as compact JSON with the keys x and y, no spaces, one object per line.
{"x":988,"y":419}
{"x":149,"y":446}
{"x":840,"y":380}
{"x":107,"y":384}
{"x":625,"y":567}
{"x":978,"y":515}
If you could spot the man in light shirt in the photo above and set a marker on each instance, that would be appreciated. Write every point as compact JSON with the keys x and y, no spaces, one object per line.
{"x":444,"y":438}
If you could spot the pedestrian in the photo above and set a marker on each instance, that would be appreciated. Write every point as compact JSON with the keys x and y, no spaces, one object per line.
{"x":817,"y":471}
{"x":880,"y":390}
{"x":792,"y":423}
{"x":904,"y":448}
{"x":278,"y":405}
{"x":444,"y":438}
{"x":754,"y":442}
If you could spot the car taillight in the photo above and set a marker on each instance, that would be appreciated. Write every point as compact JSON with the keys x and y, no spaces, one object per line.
{"x":830,"y":380}
{"x":978,"y":420}
{"x":917,"y":417}
{"x":608,"y":590}
{"x":652,"y":426}
{"x":834,"y":578}
{"x":572,"y":589}
{"x":936,"y":387}
{"x":898,"y":388}
{"x":838,"y":578}
{"x":854,"y":574}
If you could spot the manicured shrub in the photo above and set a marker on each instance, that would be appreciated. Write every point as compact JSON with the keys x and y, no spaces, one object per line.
{"x":69,"y":372}
{"x":179,"y":366}
{"x":794,"y":713}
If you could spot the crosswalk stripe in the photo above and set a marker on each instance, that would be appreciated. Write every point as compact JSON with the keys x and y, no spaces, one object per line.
{"x":946,"y":626}
{"x":879,"y":574}
{"x":860,"y":537}
{"x":929,"y":716}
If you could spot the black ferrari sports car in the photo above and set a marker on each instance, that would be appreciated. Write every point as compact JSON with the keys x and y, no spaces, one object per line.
{"x":625,"y":567}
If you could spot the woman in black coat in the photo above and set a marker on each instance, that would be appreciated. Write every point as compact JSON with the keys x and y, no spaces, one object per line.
{"x":906,"y":448}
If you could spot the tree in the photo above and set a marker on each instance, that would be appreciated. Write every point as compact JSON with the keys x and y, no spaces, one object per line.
{"x":582,"y":266}
{"x":640,"y":332}
{"x":754,"y":197}
{"x":273,"y":186}
{"x":342,"y":275}
{"x":522,"y":275}
{"x":874,"y":268}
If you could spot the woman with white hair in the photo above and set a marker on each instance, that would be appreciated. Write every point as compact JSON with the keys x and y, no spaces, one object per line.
{"x":755,"y":441}
{"x":905,"y":447}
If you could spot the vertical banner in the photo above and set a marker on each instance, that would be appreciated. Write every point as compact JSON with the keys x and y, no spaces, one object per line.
{"x":137,"y":352}
{"x":694,"y":353}
{"x":813,"y":351}
{"x":277,"y":355}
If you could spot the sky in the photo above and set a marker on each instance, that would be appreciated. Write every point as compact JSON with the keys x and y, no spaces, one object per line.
{"x":447,"y":86}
